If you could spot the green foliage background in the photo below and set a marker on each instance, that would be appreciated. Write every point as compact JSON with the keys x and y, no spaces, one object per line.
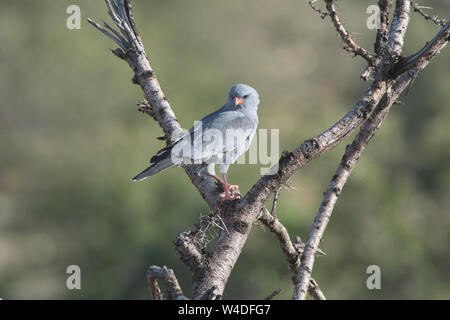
{"x":70,"y":139}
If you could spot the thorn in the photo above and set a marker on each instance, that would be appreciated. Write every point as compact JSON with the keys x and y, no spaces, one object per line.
{"x":289,"y":186}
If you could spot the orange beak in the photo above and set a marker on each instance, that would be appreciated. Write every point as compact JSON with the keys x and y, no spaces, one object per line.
{"x":237,"y":101}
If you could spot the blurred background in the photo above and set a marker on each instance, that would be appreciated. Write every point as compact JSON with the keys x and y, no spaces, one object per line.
{"x":71,"y":139}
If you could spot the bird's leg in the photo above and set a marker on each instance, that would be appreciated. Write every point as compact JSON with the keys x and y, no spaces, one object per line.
{"x":217,"y":179}
{"x":228,"y":189}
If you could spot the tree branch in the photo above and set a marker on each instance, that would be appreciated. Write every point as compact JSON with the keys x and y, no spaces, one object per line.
{"x":290,"y":251}
{"x":170,"y":280}
{"x":189,"y":252}
{"x":155,"y":291}
{"x":322,"y":13}
{"x":431,"y":49}
{"x":315,"y":291}
{"x":273,"y":294}
{"x":290,"y":162}
{"x":348,"y":162}
{"x":435,"y":20}
{"x":350,"y":45}
{"x":398,"y":29}
{"x":275,"y":226}
{"x":382,"y":33}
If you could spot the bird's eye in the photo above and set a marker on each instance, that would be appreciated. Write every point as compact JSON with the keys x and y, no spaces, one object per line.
{"x":245,"y":96}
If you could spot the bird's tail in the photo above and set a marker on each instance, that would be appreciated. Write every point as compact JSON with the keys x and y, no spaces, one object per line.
{"x":154,"y":169}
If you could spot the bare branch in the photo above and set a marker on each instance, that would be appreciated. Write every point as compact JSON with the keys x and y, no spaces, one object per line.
{"x":290,"y":162}
{"x":431,"y":49}
{"x":398,"y":28}
{"x":435,"y":20}
{"x":310,"y":149}
{"x":108,"y":34}
{"x":282,"y":234}
{"x":330,"y":197}
{"x":350,"y":45}
{"x":348,"y":162}
{"x":273,"y":294}
{"x":353,"y":151}
{"x":188,"y":251}
{"x":315,"y":291}
{"x":170,"y":280}
{"x":382,"y":33}
{"x":290,"y":251}
{"x":154,"y":288}
{"x":322,"y":13}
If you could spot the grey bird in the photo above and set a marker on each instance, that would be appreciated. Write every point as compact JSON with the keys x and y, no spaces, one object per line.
{"x":219,"y":138}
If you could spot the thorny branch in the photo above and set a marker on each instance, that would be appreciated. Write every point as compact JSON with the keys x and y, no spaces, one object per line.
{"x":212,"y":269}
{"x":322,"y":13}
{"x":354,"y":151}
{"x":435,"y":19}
{"x":348,"y":162}
{"x":350,"y":45}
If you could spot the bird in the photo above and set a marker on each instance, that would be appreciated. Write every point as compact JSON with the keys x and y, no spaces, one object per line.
{"x":218,"y":138}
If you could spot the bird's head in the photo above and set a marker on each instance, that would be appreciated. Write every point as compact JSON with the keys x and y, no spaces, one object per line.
{"x":243,"y":96}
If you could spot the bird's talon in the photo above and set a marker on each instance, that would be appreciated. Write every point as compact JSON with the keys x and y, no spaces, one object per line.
{"x":234,"y":189}
{"x":232,"y":196}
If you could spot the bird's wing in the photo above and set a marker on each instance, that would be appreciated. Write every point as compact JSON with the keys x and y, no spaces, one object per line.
{"x":225,"y":132}
{"x":217,"y":134}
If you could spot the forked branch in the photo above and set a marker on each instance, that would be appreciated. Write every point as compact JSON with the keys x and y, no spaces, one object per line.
{"x":435,"y":19}
{"x":212,"y":269}
{"x":350,"y":45}
{"x":290,"y":251}
{"x":354,"y":151}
